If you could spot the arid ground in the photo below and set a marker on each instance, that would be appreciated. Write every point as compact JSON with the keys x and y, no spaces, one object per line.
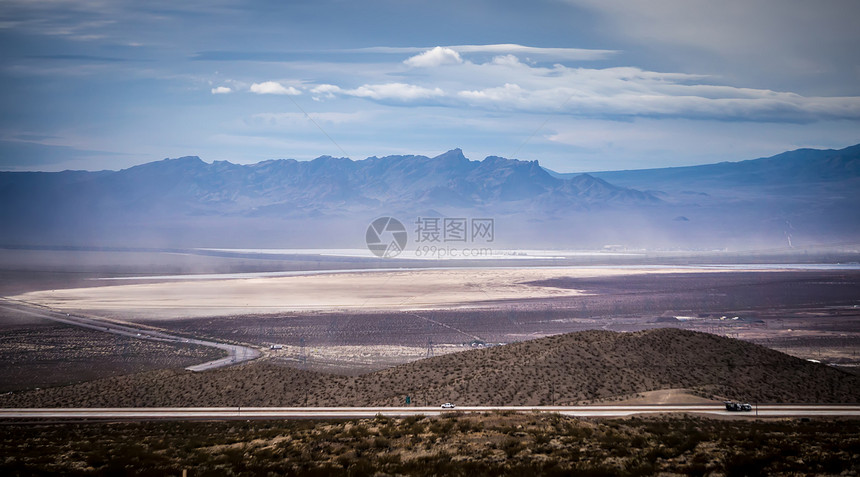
{"x":38,"y":353}
{"x":350,"y":323}
{"x":346,"y":292}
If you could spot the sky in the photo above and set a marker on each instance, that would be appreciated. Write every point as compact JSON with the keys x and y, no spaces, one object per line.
{"x":579,"y":85}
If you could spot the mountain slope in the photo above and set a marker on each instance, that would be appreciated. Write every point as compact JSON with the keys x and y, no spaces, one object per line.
{"x":559,"y":369}
{"x":597,"y":364}
{"x":798,"y":167}
{"x":792,"y":200}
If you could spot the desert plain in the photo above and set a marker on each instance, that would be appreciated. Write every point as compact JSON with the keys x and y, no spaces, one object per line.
{"x":348,"y":317}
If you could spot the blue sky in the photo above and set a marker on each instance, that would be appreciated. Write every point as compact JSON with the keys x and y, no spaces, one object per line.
{"x":580,"y":85}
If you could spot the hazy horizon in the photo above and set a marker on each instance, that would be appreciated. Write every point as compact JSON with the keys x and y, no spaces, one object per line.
{"x":357,"y":159}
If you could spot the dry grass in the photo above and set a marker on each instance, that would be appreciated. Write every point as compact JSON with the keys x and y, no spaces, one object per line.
{"x":561,"y":369}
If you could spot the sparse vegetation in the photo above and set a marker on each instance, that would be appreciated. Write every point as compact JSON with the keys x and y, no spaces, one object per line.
{"x":489,"y":444}
{"x":43,"y":355}
{"x":564,"y":369}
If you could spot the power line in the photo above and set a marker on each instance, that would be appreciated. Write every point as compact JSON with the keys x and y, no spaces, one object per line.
{"x":317,"y":125}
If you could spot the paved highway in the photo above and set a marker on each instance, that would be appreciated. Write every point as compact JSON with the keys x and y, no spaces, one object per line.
{"x":219,"y":413}
{"x":235,"y":353}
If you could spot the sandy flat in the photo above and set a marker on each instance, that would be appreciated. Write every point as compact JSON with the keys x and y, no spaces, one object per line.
{"x":415,"y":289}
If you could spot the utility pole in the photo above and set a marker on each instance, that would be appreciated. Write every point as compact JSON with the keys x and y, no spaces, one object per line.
{"x":303,"y":357}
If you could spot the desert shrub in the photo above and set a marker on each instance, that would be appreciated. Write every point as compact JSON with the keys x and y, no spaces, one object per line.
{"x":393,"y":431}
{"x":410,"y":420}
{"x":381,"y":420}
{"x":389,"y":460}
{"x":615,"y":443}
{"x":360,"y":467}
{"x":640,"y":468}
{"x":441,"y":428}
{"x":440,"y":464}
{"x":660,"y":452}
{"x":363,"y":445}
{"x":381,"y":443}
{"x":345,"y":460}
{"x":358,"y":431}
{"x":698,"y":464}
{"x":746,"y":463}
{"x":638,"y":441}
{"x":578,"y":432}
{"x":469,"y":426}
{"x":512,"y":446}
{"x":541,"y":438}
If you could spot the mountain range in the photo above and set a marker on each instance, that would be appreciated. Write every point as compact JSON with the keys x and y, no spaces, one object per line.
{"x":806,"y":195}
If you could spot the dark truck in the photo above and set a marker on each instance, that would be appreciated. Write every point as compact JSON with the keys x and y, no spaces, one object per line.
{"x":738,"y":406}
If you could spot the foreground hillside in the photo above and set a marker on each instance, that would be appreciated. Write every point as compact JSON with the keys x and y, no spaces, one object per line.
{"x":490,"y":444}
{"x":561,"y":369}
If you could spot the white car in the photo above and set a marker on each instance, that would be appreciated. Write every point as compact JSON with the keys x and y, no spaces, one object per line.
{"x":447,"y":405}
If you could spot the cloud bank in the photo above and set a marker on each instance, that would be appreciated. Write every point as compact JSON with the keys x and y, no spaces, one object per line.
{"x":506,"y":83}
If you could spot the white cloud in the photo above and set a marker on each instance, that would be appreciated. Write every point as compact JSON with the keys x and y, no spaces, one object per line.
{"x":437,"y":56}
{"x":507,"y":84}
{"x":508,"y":94}
{"x":327,"y":91}
{"x":273,"y":87}
{"x":626,"y":92}
{"x":507,"y":60}
{"x":395,"y":91}
{"x":381,"y":92}
{"x":571,"y":54}
{"x":221,"y":90}
{"x":504,"y":83}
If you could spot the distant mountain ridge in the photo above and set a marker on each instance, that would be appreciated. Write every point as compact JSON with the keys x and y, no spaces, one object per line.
{"x":799,"y":166}
{"x":323,"y":185}
{"x":801,"y":196}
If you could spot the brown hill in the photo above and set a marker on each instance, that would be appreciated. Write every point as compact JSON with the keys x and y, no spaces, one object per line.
{"x":560,"y":369}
